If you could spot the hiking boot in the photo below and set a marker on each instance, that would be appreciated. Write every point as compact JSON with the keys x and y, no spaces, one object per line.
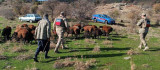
{"x":146,"y":48}
{"x":35,"y":59}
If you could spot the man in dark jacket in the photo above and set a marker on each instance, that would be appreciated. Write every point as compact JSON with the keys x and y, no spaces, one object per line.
{"x":42,"y":33}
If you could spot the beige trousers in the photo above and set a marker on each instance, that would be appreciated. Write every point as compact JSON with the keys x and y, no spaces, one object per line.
{"x":142,"y":37}
{"x":60,"y":41}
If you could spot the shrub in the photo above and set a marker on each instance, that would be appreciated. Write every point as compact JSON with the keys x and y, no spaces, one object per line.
{"x":17,"y":7}
{"x":18,"y":49}
{"x":90,"y":41}
{"x":96,"y":49}
{"x":2,"y":57}
{"x":34,"y":9}
{"x":24,"y":10}
{"x":9,"y":14}
{"x":82,"y":9}
{"x":40,"y":11}
{"x":49,"y":7}
{"x":115,"y":14}
{"x":156,"y":8}
{"x":62,"y":7}
{"x":133,"y":16}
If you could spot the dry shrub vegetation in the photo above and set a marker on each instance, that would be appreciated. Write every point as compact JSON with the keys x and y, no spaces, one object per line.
{"x":66,"y":63}
{"x":2,"y":57}
{"x":133,"y":52}
{"x":8,"y":43}
{"x":18,"y":49}
{"x":8,"y":14}
{"x":133,"y":65}
{"x":115,"y":14}
{"x":25,"y":56}
{"x":90,"y":41}
{"x":2,"y":50}
{"x":52,"y":45}
{"x":96,"y":49}
{"x":156,"y":8}
{"x":78,"y":65}
{"x":31,"y":68}
{"x":107,"y":42}
{"x":133,"y":16}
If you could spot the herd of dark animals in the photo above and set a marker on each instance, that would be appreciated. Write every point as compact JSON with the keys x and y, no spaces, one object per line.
{"x":25,"y":33}
{"x":89,"y":30}
{"x":22,"y":32}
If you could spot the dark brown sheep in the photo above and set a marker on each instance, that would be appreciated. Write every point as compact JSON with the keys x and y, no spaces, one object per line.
{"x":87,"y":31}
{"x":22,"y":34}
{"x":97,"y":33}
{"x":106,"y":30}
{"x":74,"y":30}
{"x":27,"y":35}
{"x":6,"y":32}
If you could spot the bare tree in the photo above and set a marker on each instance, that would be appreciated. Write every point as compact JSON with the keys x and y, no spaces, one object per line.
{"x":25,"y":9}
{"x":62,"y":7}
{"x":9,"y":14}
{"x":82,"y":9}
{"x":18,"y":4}
{"x":115,"y":14}
{"x":49,"y":7}
{"x":34,"y":9}
{"x":133,"y":16}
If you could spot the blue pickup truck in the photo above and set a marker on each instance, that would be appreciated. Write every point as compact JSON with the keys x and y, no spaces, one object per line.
{"x":103,"y":18}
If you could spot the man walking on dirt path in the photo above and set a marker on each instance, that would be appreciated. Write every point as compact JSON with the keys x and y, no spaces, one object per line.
{"x":144,"y":25}
{"x":60,"y":25}
{"x":43,"y":33}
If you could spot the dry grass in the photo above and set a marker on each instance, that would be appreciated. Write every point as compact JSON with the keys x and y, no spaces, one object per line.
{"x":10,"y":68}
{"x":18,"y":49}
{"x":8,"y":43}
{"x":32,"y":68}
{"x":124,"y":30}
{"x":14,"y":40}
{"x":79,"y":65}
{"x":145,"y":65}
{"x":2,"y":50}
{"x":66,"y":63}
{"x":58,"y":65}
{"x":109,"y":64}
{"x":25,"y":56}
{"x":96,"y":49}
{"x":2,"y":57}
{"x":133,"y":66}
{"x":107,"y":42}
{"x":133,"y":52}
{"x":77,"y":43}
{"x":90,"y":41}
{"x":52,"y":45}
